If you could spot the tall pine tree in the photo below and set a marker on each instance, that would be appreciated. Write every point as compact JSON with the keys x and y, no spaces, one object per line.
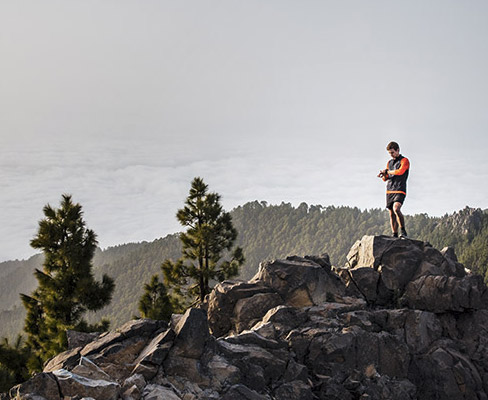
{"x":207,"y":245}
{"x":155,"y":302}
{"x":67,"y":287}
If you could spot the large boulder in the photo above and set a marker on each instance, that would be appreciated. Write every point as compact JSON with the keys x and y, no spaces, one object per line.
{"x":396,"y":260}
{"x":191,"y":337}
{"x":157,"y":392}
{"x":222,"y":301}
{"x":154,"y":354}
{"x":241,"y":392}
{"x":301,"y":281}
{"x":440,"y":293}
{"x":191,"y":334}
{"x":412,"y":273}
{"x":71,"y":384}
{"x":248,"y":311}
{"x":43,"y":385}
{"x":366,"y":281}
{"x":136,"y":329}
{"x":259,"y":367}
{"x":66,"y":360}
{"x":444,"y":373}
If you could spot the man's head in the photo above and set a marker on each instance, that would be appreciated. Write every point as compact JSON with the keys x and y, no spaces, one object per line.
{"x":393,"y":149}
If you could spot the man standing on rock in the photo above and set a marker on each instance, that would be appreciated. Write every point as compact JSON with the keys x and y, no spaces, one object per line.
{"x":395,"y":175}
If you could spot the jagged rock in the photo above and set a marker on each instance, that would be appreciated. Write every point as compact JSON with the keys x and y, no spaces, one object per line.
{"x":124,"y":352}
{"x":90,"y":370}
{"x":241,"y":392}
{"x":446,"y":293}
{"x":250,"y":310}
{"x":282,"y":318}
{"x":366,"y":280}
{"x":294,"y":390}
{"x":222,"y":301}
{"x":136,"y":380}
{"x":141,"y":328}
{"x":300,"y":282}
{"x":259,"y":367}
{"x":330,"y":353}
{"x":65,"y":360}
{"x":421,"y":330}
{"x":352,"y":289}
{"x":154,"y":354}
{"x":40,"y":385}
{"x":80,"y":339}
{"x":71,"y":384}
{"x":156,"y":392}
{"x":446,"y":260}
{"x":132,"y":393}
{"x":223,"y":372}
{"x":385,"y":388}
{"x":323,"y":260}
{"x":368,"y":251}
{"x":252,"y":337}
{"x":188,"y":368}
{"x":403,"y":266}
{"x":148,"y":371}
{"x":118,"y":372}
{"x":448,"y":252}
{"x":295,"y":371}
{"x":192,"y":334}
{"x":395,"y":260}
{"x":445,"y":373}
{"x":399,"y":264}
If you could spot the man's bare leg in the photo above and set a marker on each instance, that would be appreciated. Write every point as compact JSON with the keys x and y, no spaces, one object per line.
{"x":400,"y":220}
{"x":393,"y":222}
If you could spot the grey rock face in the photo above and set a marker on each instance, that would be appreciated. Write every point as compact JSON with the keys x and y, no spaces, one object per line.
{"x":156,"y":392}
{"x":191,"y":334}
{"x":241,"y":392}
{"x":80,"y":339}
{"x":71,"y":384}
{"x":300,"y":281}
{"x":42,"y":385}
{"x":66,"y":360}
{"x":250,"y":310}
{"x":222,"y":302}
{"x":401,"y":321}
{"x":135,"y":329}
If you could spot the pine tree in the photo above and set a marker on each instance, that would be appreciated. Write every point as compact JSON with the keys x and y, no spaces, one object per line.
{"x":67,"y":287}
{"x":155,"y":302}
{"x":13,"y":363}
{"x":207,"y":245}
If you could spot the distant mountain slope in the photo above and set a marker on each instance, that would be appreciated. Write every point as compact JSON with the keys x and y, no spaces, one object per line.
{"x":265,"y":232}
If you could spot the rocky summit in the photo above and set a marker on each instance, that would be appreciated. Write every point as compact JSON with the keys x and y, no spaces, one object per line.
{"x":401,"y":320}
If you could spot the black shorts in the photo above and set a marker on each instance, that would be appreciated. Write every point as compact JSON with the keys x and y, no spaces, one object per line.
{"x":393,"y":198}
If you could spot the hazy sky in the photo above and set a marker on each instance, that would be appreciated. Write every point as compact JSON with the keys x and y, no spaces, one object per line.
{"x":121,"y":103}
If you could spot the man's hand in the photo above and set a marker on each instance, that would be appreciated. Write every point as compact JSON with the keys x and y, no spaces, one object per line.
{"x":383,"y":174}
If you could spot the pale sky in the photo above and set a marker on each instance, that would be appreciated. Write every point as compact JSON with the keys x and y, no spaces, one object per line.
{"x":121,"y":103}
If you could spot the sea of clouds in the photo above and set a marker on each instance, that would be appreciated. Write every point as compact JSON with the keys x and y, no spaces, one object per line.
{"x":131,"y":193}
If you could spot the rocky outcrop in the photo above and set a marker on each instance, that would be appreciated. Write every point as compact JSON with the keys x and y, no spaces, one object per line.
{"x":401,"y":321}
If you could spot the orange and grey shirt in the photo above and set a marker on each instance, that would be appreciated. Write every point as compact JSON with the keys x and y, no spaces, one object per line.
{"x":397,"y":175}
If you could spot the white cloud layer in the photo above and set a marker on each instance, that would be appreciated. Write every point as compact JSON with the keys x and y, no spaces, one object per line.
{"x":134,"y":196}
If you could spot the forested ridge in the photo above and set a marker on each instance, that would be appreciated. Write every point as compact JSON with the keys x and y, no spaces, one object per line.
{"x":265,"y":232}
